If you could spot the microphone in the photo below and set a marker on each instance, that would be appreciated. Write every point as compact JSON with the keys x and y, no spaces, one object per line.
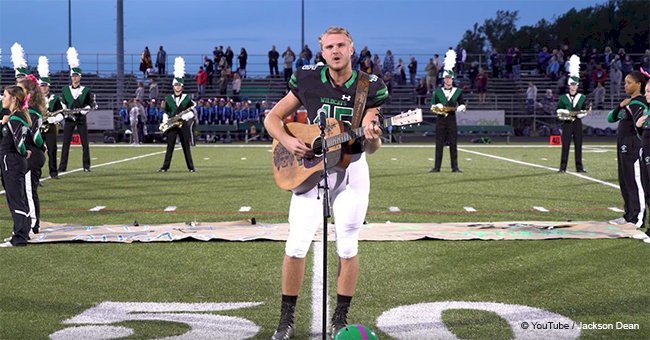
{"x":322,"y":118}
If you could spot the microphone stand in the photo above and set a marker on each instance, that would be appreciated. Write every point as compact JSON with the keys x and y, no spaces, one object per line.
{"x":322,"y":124}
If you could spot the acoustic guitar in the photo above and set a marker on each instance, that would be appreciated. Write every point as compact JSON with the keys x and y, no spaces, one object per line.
{"x":301,"y":174}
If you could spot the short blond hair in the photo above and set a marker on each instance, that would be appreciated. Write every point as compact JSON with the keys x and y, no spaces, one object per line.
{"x":335,"y":30}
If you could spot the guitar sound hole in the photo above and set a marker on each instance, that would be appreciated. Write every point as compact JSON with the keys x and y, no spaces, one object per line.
{"x":317,"y":147}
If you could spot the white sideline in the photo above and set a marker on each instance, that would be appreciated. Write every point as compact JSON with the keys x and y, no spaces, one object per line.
{"x":316,"y":327}
{"x":611,"y":185}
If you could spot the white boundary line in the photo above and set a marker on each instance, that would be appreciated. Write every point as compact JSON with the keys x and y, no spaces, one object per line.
{"x":611,"y":185}
{"x":386,"y":145}
{"x":317,"y":292}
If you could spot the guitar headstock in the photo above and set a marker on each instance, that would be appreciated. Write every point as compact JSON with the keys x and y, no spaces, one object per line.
{"x":406,"y":118}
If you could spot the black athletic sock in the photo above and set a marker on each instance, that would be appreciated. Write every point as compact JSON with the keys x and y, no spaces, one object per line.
{"x":290,"y":299}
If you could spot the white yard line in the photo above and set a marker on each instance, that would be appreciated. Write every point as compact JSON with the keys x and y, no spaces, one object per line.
{"x":317,"y":292}
{"x":611,"y":185}
{"x":469,"y":209}
{"x":542,"y":209}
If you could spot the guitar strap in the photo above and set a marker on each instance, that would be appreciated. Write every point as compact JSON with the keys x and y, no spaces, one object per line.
{"x":360,"y":99}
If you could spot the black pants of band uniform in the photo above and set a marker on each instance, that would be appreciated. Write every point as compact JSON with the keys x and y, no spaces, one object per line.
{"x":446,"y":133}
{"x":571,"y":130}
{"x":185,"y":135}
{"x":35,"y":164}
{"x":50,"y":142}
{"x":14,"y":167}
{"x":68,"y":129}
{"x":630,"y":178}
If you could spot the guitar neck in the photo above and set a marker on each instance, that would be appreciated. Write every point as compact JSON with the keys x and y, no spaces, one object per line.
{"x":349,"y":135}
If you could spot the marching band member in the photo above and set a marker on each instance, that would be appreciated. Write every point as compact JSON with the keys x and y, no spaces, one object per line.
{"x":446,"y":101}
{"x":567,"y":107}
{"x":181,"y":104}
{"x":76,"y":97}
{"x":51,"y":123}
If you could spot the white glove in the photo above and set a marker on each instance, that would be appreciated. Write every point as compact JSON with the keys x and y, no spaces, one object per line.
{"x":58,"y":118}
{"x":440,"y":106}
{"x":65,"y":107}
{"x":461,"y":108}
{"x":187,"y":116}
{"x":562,"y":111}
{"x":85,"y":110}
{"x":51,"y":120}
{"x":581,"y":115}
{"x":165,"y":118}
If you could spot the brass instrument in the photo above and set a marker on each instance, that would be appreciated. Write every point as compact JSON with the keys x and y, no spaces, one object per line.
{"x":572,"y":115}
{"x":176,"y":121}
{"x":46,"y":126}
{"x":444,"y":111}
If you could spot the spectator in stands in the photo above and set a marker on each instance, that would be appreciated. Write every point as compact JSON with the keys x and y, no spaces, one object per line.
{"x":599,"y":74}
{"x":273,"y":62}
{"x":124,"y":113}
{"x":145,"y":62}
{"x":495,"y":61}
{"x":152,"y":112}
{"x":595,"y":55}
{"x":531,"y":98}
{"x":616,"y":60}
{"x":289,"y":57}
{"x":223,"y":81}
{"x":473,"y":73}
{"x":308,"y":54}
{"x":645,"y":61}
{"x":222,"y":66}
{"x":389,"y":63}
{"x":628,"y":65}
{"x":413,"y":69}
{"x":236,"y":86}
{"x":553,"y":68}
{"x":481,"y":85}
{"x":319,"y":60}
{"x":229,"y":56}
{"x":139,"y":91}
{"x":243,"y":60}
{"x":142,"y":120}
{"x":376,"y":65}
{"x":621,"y":54}
{"x":134,"y":114}
{"x":153,"y":89}
{"x":201,"y":80}
{"x":366,"y":65}
{"x":615,"y":79}
{"x":461,"y":58}
{"x":431,"y":70}
{"x":209,"y":70}
{"x":510,"y":56}
{"x":217,"y":54}
{"x":599,"y":96}
{"x":548,"y":103}
{"x":516,"y":64}
{"x":421,"y":91}
{"x":302,"y":61}
{"x":542,"y":60}
{"x":608,"y":57}
{"x":364,"y":54}
{"x":400,"y":72}
{"x":161,"y":60}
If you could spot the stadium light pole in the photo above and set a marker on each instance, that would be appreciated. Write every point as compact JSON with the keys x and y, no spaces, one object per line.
{"x":69,"y":23}
{"x":120,"y":52}
{"x":302,"y":29}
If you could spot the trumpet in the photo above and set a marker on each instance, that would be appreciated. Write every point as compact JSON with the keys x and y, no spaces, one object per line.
{"x":176,"y":121}
{"x":572,"y":115}
{"x":444,"y":111}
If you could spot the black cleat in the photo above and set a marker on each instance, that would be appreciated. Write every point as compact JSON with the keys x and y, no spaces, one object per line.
{"x":86,"y":169}
{"x":55,"y":176}
{"x":192,"y":170}
{"x":582,"y":170}
{"x":434,"y":170}
{"x":561,"y":171}
{"x":162,"y":170}
{"x":456,"y":170}
{"x":285,"y":329}
{"x":339,"y":319}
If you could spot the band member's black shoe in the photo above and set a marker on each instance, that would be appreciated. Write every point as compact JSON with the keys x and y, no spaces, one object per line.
{"x":162,"y":170}
{"x":434,"y":170}
{"x":582,"y":170}
{"x":192,"y":170}
{"x":561,"y":171}
{"x":456,"y":170}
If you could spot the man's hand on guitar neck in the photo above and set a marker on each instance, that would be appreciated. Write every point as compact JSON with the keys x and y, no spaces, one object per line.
{"x":371,"y":131}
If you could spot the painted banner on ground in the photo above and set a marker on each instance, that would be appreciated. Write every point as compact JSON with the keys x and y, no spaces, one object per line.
{"x":245,"y":231}
{"x":481,"y":117}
